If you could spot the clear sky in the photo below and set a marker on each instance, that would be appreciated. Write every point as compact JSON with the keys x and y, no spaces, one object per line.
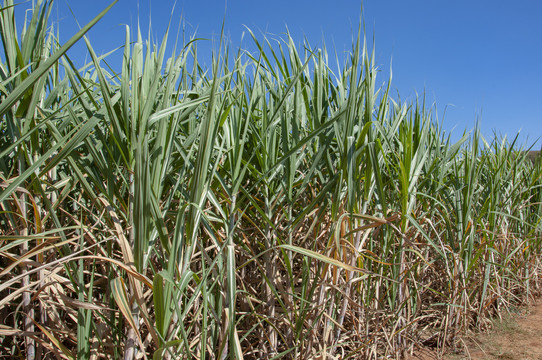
{"x":480,"y":59}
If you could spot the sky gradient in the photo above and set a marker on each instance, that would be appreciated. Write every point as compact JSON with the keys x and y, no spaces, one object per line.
{"x":479,"y":60}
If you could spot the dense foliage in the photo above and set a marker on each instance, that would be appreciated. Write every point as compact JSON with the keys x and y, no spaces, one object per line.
{"x":266,"y":207}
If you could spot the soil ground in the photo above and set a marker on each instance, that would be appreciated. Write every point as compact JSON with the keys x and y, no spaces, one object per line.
{"x":515,"y":337}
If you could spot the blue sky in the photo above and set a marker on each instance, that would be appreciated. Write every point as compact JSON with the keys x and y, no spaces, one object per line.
{"x":479,"y":59}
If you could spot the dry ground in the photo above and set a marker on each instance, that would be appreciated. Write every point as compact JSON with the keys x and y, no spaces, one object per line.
{"x":515,"y":337}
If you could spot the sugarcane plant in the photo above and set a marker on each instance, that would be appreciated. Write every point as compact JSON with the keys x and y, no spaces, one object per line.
{"x":270,"y":205}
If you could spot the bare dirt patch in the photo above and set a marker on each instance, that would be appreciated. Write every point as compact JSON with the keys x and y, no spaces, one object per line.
{"x":515,"y":337}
